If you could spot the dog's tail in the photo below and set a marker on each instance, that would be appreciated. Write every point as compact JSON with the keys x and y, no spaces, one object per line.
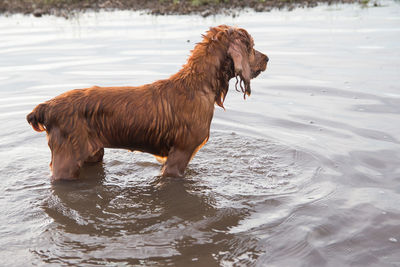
{"x":37,"y":118}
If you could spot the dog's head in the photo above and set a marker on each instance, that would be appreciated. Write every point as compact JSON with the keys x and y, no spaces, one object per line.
{"x":230,"y":51}
{"x":248,"y":63}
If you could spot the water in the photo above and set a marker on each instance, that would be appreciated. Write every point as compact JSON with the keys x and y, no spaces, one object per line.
{"x":305,"y":172}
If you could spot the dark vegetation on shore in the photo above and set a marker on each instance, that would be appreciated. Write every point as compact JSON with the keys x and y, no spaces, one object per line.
{"x":205,"y":8}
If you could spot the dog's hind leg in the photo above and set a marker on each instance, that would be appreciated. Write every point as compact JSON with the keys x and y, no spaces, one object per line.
{"x":65,"y":165}
{"x":96,"y":157}
{"x":66,"y":155}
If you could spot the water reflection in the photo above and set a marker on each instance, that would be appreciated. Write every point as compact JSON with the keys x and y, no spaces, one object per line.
{"x":162,"y":221}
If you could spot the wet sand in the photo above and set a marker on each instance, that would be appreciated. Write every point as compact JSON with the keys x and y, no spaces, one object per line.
{"x":305,"y":172}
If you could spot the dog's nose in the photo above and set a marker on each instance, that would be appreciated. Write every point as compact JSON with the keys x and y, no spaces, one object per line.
{"x":266,"y":58}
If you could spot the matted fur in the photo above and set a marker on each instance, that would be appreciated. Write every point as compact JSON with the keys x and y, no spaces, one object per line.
{"x":169,"y":118}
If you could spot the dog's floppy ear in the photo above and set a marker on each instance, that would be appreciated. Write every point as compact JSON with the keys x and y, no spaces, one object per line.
{"x":238,"y":52}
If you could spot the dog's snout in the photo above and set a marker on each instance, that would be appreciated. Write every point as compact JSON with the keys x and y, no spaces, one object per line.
{"x":266,"y":58}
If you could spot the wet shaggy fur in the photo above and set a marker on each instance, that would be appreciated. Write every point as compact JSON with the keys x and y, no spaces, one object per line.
{"x":169,"y":118}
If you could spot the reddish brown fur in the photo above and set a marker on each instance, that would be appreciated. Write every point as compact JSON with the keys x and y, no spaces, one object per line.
{"x":169,"y":118}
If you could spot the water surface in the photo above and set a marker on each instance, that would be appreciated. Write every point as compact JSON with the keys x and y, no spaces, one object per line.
{"x":305,"y":172}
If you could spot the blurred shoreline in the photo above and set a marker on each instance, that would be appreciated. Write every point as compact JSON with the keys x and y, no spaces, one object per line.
{"x":68,"y":8}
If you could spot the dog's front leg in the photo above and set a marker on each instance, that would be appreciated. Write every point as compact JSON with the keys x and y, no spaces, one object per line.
{"x":176,"y":162}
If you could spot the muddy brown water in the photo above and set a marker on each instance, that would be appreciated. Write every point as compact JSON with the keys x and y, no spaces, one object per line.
{"x":303,"y":173}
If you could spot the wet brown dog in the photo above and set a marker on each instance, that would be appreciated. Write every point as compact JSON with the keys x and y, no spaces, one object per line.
{"x":169,"y":118}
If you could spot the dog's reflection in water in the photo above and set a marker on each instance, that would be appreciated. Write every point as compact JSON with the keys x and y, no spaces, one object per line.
{"x":102,"y":203}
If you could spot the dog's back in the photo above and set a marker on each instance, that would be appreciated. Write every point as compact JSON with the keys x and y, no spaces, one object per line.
{"x":116,"y":117}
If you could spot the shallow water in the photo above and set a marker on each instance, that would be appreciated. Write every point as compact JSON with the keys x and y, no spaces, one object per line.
{"x":303,"y":173}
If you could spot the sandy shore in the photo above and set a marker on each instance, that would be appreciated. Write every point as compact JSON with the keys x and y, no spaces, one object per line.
{"x":66,"y":8}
